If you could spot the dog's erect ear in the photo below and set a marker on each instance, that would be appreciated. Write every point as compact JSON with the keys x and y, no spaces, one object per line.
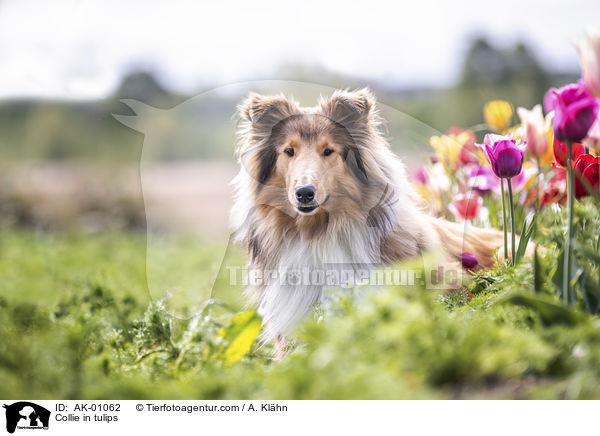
{"x":263,"y":110}
{"x":355,"y":112}
{"x":349,"y":107}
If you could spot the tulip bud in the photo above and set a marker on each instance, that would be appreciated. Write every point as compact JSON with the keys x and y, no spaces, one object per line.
{"x":469,"y":261}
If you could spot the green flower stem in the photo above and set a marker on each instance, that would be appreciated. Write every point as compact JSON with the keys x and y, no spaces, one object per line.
{"x":537,"y":194}
{"x":566,"y":288}
{"x":504,"y":215}
{"x":512,"y":222}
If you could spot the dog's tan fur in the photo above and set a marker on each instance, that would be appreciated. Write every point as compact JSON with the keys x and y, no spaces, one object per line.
{"x":368,"y":211}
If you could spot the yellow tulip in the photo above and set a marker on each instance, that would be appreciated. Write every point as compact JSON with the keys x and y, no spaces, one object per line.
{"x":498,"y":114}
{"x":448,"y":147}
{"x":548,"y":157}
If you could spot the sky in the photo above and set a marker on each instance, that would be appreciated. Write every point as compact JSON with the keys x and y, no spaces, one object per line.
{"x":81,"y":49}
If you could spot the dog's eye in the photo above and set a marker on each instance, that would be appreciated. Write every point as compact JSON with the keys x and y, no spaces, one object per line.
{"x":327,"y":152}
{"x":289,"y":152}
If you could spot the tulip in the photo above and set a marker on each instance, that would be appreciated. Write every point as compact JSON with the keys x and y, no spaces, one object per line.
{"x":587,"y":171}
{"x":469,"y":261}
{"x":556,"y":188}
{"x":482,"y":179}
{"x":468,"y":152}
{"x":498,"y":114}
{"x":505,"y":155}
{"x":589,"y":55}
{"x":466,"y":206}
{"x":535,"y":128}
{"x":431,"y":182}
{"x":593,"y":136}
{"x":560,"y":152}
{"x":421,"y":175}
{"x":575,"y":110}
{"x":448,"y":147}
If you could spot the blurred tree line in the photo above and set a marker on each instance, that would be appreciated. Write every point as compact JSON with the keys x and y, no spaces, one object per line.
{"x":86,"y":130}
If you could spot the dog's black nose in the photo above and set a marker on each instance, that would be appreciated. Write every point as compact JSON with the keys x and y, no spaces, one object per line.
{"x":305,"y":193}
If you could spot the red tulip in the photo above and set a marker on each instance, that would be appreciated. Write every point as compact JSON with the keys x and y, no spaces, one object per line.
{"x":587,"y":167}
{"x":554,"y":191}
{"x":466,"y":206}
{"x":560,"y":152}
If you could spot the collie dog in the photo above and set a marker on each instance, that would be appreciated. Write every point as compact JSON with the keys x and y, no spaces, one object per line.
{"x":318,"y":188}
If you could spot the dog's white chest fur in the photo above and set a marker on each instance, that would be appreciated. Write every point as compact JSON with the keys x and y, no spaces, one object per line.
{"x":305,"y":268}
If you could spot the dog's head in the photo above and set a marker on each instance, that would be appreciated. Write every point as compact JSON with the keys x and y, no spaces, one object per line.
{"x":308,"y":161}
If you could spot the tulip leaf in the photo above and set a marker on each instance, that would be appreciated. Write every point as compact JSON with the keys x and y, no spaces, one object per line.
{"x":590,"y":289}
{"x":537,"y":273}
{"x":586,"y":252}
{"x":550,"y":313}
{"x":524,"y":239}
{"x":557,"y":279}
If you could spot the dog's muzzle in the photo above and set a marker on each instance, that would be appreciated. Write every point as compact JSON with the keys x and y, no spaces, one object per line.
{"x":306,"y":198}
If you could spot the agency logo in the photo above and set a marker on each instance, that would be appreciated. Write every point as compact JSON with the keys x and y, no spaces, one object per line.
{"x":26,"y":415}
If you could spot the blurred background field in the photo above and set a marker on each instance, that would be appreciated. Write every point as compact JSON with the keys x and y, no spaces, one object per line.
{"x":70,"y":163}
{"x":98,"y":219}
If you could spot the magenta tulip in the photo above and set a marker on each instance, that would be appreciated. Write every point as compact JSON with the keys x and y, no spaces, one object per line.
{"x":469,"y":261}
{"x":575,"y":111}
{"x":504,"y":154}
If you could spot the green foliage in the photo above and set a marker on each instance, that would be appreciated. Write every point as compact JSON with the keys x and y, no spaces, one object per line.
{"x":526,"y":233}
{"x":76,"y":321}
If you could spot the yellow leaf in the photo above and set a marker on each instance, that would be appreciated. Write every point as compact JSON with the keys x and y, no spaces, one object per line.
{"x":240,"y":334}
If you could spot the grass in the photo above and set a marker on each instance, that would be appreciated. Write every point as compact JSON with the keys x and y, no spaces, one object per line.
{"x":77,"y":320}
